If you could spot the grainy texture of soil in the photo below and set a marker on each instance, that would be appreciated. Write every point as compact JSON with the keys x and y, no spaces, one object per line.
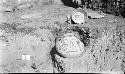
{"x":32,"y":31}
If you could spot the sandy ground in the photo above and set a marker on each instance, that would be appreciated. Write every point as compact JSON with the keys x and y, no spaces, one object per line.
{"x":31,"y":31}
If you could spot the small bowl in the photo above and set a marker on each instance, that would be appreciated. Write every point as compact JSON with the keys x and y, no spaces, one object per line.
{"x":79,"y":16}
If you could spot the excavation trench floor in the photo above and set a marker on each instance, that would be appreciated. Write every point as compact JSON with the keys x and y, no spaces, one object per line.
{"x":49,"y":17}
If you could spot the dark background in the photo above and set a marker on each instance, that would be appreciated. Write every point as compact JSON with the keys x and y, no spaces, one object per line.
{"x":115,"y":7}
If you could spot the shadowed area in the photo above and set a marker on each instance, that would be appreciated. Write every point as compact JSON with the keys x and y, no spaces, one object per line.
{"x":70,"y":3}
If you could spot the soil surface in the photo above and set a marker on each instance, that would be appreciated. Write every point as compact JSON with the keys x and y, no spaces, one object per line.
{"x":31,"y":30}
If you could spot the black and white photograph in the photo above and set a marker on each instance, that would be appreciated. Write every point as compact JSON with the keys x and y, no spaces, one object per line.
{"x":62,"y":36}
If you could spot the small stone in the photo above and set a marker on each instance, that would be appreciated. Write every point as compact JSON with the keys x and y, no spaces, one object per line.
{"x":95,"y":15}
